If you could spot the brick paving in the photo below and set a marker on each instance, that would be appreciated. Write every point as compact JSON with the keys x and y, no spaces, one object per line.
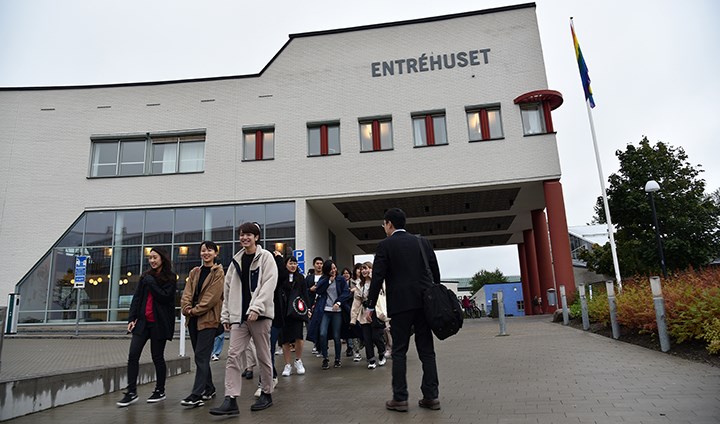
{"x":541,"y":373}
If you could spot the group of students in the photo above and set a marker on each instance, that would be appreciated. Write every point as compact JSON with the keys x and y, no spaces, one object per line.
{"x":340,"y":312}
{"x":262,"y":301}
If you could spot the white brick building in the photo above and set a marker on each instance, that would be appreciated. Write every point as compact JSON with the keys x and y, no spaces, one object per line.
{"x":190,"y":144}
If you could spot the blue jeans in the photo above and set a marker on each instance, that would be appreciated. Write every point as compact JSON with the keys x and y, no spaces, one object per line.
{"x":328,"y":319}
{"x":217,"y":347}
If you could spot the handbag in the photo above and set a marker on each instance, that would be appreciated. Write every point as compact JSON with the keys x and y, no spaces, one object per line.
{"x":443,"y":311}
{"x":297,"y":309}
{"x":220,"y":329}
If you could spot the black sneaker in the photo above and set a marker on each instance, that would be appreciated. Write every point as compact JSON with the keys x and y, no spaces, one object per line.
{"x":326,"y":364}
{"x":192,"y":400}
{"x":156,"y":396}
{"x":208,"y":394}
{"x":337,"y":364}
{"x":130,"y":397}
{"x":228,"y":407}
{"x":349,"y":353}
{"x":263,"y":402}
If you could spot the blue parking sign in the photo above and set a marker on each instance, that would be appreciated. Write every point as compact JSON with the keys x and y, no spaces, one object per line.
{"x":80,"y":271}
{"x":300,"y":256}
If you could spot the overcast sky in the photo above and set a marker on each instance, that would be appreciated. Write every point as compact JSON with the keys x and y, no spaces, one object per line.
{"x":653,"y":65}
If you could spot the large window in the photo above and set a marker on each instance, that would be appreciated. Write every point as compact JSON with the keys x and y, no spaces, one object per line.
{"x":376,"y":134}
{"x":429,"y":129}
{"x":532,"y":118}
{"x":324,"y":139}
{"x":484,"y":123}
{"x":258,"y":143}
{"x":118,"y":243}
{"x":151,"y":154}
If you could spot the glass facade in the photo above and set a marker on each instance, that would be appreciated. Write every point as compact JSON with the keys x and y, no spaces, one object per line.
{"x":117,"y":244}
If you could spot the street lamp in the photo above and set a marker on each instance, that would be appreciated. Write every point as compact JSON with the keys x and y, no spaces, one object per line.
{"x":651,"y":187}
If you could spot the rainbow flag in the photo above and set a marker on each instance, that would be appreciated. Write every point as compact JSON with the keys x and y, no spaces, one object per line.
{"x":582,"y":66}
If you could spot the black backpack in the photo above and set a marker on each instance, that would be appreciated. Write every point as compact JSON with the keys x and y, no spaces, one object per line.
{"x":442,"y":309}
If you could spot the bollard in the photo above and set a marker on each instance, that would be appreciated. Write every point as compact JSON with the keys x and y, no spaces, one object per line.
{"x":613,"y":309}
{"x":660,"y":313}
{"x":584,"y":307}
{"x":563,"y":300}
{"x":182,"y":335}
{"x":501,"y":313}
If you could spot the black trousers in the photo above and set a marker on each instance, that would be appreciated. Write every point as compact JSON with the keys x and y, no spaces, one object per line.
{"x":157,"y":351}
{"x":202,"y":343}
{"x":400,"y":328}
{"x":372,"y":337}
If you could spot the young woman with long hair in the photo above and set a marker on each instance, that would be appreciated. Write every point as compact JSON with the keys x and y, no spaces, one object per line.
{"x":152,"y":317}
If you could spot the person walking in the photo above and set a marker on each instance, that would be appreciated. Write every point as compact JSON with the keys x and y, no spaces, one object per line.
{"x":296,"y":297}
{"x":151,"y":317}
{"x":201,"y":303}
{"x":399,"y":262}
{"x":247,"y":312}
{"x":332,"y":295}
{"x":371,"y":329}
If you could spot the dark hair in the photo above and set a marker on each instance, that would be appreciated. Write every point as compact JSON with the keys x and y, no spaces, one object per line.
{"x":209,"y":245}
{"x":317,"y":258}
{"x":397,"y":217}
{"x":290,"y":259}
{"x":166,"y":273}
{"x":327,"y":267}
{"x":356,"y":268}
{"x":348,"y":271}
{"x":250,"y":228}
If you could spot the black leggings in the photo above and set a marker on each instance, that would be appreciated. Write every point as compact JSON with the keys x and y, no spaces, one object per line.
{"x":157,"y":350}
{"x":372,"y":336}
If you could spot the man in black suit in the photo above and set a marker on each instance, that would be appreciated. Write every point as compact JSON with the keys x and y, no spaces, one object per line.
{"x":399,"y":262}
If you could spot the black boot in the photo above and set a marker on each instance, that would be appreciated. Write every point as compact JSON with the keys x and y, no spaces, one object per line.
{"x":263,"y":402}
{"x":228,"y":407}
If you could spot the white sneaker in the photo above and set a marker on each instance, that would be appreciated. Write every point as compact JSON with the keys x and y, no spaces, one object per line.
{"x":214,"y":358}
{"x":372,"y":365}
{"x":299,"y":367}
{"x":287,"y":370}
{"x":382,"y":361}
{"x":314,"y":351}
{"x":357,"y":358}
{"x":388,"y":353}
{"x":258,"y":392}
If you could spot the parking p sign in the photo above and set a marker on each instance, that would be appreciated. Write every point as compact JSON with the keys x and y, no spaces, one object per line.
{"x":300,"y":256}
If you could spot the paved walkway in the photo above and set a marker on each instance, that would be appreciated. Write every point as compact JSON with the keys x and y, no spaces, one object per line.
{"x":541,"y":373}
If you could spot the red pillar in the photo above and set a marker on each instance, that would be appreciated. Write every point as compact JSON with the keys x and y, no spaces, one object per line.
{"x":531,"y":260}
{"x":542,"y":246}
{"x":527,"y":299}
{"x":559,"y":238}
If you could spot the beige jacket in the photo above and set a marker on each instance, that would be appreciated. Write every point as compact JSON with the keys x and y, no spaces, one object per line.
{"x":209,"y":303}
{"x":357,"y":311}
{"x":264,"y":272}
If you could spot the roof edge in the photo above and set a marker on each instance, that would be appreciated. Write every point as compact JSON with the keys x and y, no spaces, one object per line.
{"x":415,"y":21}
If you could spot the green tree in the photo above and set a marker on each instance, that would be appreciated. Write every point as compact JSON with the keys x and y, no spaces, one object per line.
{"x":687,"y":217}
{"x":483,"y":277}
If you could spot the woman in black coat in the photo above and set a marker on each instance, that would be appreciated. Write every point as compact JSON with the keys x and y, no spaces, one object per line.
{"x":152,"y":317}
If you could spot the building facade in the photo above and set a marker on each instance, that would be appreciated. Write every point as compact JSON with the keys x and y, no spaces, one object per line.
{"x":448,"y":117}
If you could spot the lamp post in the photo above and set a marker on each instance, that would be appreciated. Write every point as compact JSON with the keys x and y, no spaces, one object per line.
{"x":651,"y":187}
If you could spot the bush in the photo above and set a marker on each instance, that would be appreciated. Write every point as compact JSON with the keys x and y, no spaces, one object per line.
{"x":712,"y":336}
{"x":692,"y":306}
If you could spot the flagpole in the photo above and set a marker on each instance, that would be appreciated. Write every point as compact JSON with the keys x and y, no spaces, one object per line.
{"x":613,"y":249}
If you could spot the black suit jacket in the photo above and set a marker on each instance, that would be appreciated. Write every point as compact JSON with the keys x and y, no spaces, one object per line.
{"x":399,"y":262}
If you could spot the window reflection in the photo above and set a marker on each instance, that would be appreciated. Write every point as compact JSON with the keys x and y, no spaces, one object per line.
{"x":117,"y":245}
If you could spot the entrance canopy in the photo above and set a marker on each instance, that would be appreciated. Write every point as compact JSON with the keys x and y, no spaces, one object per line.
{"x":450,"y":219}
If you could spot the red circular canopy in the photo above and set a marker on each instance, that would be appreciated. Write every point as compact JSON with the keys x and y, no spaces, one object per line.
{"x":554,"y":98}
